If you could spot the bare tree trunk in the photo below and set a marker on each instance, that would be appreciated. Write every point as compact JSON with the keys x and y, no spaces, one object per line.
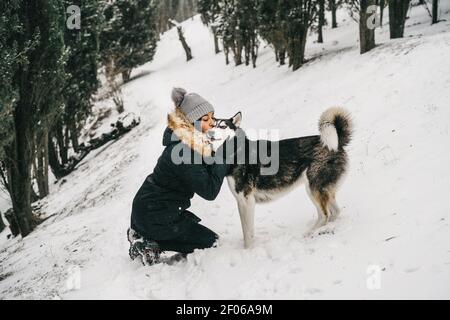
{"x":46,"y":160}
{"x":2,"y":224}
{"x":247,"y":54}
{"x":321,"y":20}
{"x":12,"y":221}
{"x":435,"y":11}
{"x":126,"y":75}
{"x":298,"y":48}
{"x":382,"y":4}
{"x":226,"y":50}
{"x":63,"y":170}
{"x":216,"y":39}
{"x":117,"y":97}
{"x":62,"y":147}
{"x":277,"y":58}
{"x":33,"y":196}
{"x":254,"y":48}
{"x":66,"y":139}
{"x":290,"y":56}
{"x":366,"y":34}
{"x":33,"y":146}
{"x":3,"y":176}
{"x":20,"y":169}
{"x":73,"y":132}
{"x":333,"y":14}
{"x":115,"y":92}
{"x":186,"y":48}
{"x":303,"y":47}
{"x":282,"y":56}
{"x":40,"y":174}
{"x":237,"y":52}
{"x":397,"y":17}
{"x":42,"y":165}
{"x":53,"y":160}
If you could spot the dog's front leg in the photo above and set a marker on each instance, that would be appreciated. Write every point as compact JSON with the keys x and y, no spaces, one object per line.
{"x":247,"y":214}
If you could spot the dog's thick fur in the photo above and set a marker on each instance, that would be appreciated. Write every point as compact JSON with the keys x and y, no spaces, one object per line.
{"x":317,"y":161}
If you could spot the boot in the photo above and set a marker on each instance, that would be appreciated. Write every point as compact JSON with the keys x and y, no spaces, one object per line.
{"x":148,"y":250}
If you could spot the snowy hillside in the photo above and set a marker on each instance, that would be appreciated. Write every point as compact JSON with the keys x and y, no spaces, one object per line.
{"x":391,"y":241}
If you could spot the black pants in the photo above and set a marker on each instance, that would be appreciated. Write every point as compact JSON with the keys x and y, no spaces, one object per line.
{"x":195,"y":236}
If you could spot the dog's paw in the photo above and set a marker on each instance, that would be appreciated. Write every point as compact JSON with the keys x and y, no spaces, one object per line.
{"x":319,"y":232}
{"x":325,"y":231}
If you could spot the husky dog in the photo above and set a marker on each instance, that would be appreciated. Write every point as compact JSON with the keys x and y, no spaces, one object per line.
{"x":317,"y":161}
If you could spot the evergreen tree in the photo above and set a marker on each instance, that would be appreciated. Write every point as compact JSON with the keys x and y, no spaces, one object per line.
{"x":282,"y":23}
{"x":236,"y":23}
{"x":210,"y":11}
{"x":82,"y":46}
{"x":298,"y":17}
{"x":229,"y":30}
{"x":272,"y":29}
{"x":34,"y":57}
{"x":9,"y":56}
{"x":130,"y":36}
{"x":163,"y":15}
{"x":248,"y":28}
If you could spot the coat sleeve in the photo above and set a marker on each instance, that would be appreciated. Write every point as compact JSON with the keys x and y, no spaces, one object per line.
{"x":205,"y":180}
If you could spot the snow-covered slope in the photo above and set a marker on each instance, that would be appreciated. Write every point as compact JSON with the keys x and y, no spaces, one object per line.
{"x":391,"y":241}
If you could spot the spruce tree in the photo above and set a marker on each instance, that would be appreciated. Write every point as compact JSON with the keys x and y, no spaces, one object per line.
{"x":248,"y":27}
{"x":82,"y":46}
{"x":271,"y":28}
{"x":210,"y":11}
{"x":34,"y":38}
{"x":298,"y":17}
{"x":130,"y":36}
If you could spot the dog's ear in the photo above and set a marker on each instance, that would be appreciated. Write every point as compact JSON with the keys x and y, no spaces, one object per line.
{"x":237,"y":118}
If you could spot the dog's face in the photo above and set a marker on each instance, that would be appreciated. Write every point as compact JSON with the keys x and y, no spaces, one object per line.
{"x":223,"y":129}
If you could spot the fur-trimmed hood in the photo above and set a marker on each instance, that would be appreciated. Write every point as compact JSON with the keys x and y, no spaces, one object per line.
{"x":186,"y":132}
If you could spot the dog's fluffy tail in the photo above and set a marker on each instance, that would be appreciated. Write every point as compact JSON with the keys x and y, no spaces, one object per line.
{"x":335,"y":126}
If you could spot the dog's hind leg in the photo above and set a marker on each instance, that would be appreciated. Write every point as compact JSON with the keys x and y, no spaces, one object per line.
{"x":246,"y":207}
{"x":334,"y":208}
{"x":321,"y":201}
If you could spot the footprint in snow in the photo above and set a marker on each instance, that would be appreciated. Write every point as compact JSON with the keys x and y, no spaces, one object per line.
{"x":411,"y":270}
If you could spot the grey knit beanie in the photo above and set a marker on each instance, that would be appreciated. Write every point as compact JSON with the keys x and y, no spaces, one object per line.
{"x":191,"y":104}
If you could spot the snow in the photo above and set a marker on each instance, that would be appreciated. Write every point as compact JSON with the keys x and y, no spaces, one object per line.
{"x":391,"y":240}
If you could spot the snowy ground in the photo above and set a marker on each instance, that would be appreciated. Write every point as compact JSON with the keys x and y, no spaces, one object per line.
{"x":391,"y":241}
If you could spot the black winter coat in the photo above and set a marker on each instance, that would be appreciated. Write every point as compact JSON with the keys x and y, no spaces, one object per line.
{"x":159,"y":207}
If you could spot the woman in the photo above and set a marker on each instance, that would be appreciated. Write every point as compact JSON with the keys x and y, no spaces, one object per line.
{"x":160,"y":220}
